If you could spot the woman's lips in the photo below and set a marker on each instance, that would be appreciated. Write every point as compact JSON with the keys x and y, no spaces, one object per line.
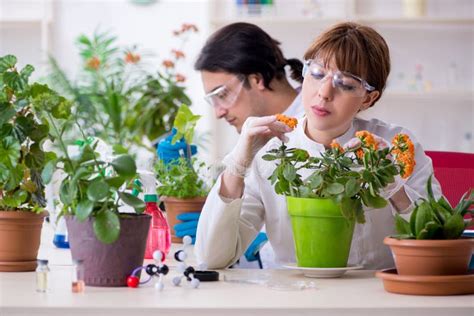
{"x":320,"y":111}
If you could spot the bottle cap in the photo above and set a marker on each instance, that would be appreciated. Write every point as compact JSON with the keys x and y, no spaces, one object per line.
{"x":42,"y":261}
{"x":151,"y":198}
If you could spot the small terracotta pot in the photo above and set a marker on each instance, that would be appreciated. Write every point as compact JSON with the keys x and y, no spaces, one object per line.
{"x":175,"y":207}
{"x":109,"y":264}
{"x":431,"y":257}
{"x":20,"y":235}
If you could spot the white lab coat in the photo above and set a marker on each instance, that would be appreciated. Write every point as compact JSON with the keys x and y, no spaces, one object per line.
{"x":226,"y":227}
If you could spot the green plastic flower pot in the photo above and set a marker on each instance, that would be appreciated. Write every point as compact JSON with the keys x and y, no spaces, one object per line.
{"x":321,"y":233}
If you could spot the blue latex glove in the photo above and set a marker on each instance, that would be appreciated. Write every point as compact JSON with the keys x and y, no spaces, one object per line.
{"x":188,"y":225}
{"x":169,"y":152}
{"x":252,"y":252}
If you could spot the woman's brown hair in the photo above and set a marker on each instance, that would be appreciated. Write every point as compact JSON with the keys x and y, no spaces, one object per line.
{"x":357,"y":49}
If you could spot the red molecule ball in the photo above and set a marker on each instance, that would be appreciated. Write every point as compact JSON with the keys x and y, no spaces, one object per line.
{"x":133,"y":281}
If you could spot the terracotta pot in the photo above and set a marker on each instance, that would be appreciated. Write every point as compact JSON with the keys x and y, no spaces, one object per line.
{"x":431,"y":257}
{"x":20,"y":235}
{"x":109,"y":264}
{"x":175,"y":207}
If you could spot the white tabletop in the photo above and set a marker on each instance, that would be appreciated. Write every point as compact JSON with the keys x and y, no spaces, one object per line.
{"x":245,"y":292}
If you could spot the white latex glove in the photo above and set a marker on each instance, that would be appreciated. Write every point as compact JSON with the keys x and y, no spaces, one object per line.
{"x":391,"y":188}
{"x":256,"y":132}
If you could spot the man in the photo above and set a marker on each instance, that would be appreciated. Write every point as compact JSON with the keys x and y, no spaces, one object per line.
{"x":243,"y":74}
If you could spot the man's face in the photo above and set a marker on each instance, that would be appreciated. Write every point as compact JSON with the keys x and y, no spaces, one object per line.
{"x":230,"y":98}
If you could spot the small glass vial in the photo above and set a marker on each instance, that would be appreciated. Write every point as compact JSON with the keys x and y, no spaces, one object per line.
{"x":42,"y":276}
{"x":77,"y":276}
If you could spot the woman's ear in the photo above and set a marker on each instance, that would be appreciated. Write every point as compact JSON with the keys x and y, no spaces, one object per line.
{"x":369,"y":100}
{"x":256,"y":80}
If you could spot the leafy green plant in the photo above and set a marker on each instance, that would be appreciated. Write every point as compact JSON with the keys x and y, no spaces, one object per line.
{"x":115,"y":98}
{"x":436,"y":219}
{"x":352,"y":177}
{"x":92,"y":188}
{"x":22,"y":134}
{"x":180,"y":178}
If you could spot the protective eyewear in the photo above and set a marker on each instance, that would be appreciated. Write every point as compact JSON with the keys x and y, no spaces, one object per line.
{"x":344,"y":82}
{"x":225,"y":95}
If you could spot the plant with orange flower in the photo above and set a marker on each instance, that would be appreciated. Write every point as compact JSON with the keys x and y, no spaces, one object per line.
{"x":352,"y":177}
{"x":116,"y":97}
{"x":289,"y":121}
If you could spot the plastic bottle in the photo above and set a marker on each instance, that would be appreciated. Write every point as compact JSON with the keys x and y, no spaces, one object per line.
{"x":42,"y":276}
{"x":60,"y":238}
{"x":159,"y":236}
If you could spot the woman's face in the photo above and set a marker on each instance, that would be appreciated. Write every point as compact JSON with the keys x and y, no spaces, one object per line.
{"x":332,"y":99}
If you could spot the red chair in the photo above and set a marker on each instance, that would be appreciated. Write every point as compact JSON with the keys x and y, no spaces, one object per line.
{"x":455,"y":173}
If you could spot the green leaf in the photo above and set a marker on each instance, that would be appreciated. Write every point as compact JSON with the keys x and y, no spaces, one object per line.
{"x":133,"y":201}
{"x":454,"y":227}
{"x":315,"y":180}
{"x":7,"y":62}
{"x":429,"y":189}
{"x":430,"y":231}
{"x":348,"y":207}
{"x":423,"y":216}
{"x":15,"y":176}
{"x":402,"y":226}
{"x":107,"y":226}
{"x":124,"y":165}
{"x":352,"y":187}
{"x":9,"y":151}
{"x":119,"y":149}
{"x":376,"y":201}
{"x":84,"y":209}
{"x":269,"y":157}
{"x":67,"y":192}
{"x":185,"y":123}
{"x":97,"y":190}
{"x":335,"y":188}
{"x":289,"y":173}
{"x":48,"y":171}
{"x":115,"y":182}
{"x":7,"y":112}
{"x":35,"y":159}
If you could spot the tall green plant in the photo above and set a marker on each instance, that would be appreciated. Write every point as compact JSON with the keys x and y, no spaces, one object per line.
{"x":115,"y":98}
{"x":22,"y":136}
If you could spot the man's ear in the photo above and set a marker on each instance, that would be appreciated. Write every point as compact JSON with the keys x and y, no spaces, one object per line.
{"x":256,"y":80}
{"x":369,"y":100}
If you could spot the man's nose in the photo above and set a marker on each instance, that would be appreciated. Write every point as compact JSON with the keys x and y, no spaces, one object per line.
{"x":219,"y":111}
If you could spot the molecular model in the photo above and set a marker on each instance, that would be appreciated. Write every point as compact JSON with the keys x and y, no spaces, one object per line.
{"x":153,"y":270}
{"x":188,"y":272}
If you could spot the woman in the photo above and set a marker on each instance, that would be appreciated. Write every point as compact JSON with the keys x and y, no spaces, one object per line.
{"x":345,"y":73}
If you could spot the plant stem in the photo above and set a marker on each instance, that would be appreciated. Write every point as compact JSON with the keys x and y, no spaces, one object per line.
{"x":61,"y":142}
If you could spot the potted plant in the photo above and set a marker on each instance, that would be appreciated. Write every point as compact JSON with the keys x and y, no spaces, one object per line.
{"x":111,"y":243}
{"x":22,"y":161}
{"x":116,"y":98}
{"x":430,"y":242}
{"x":325,"y":205}
{"x":181,"y":188}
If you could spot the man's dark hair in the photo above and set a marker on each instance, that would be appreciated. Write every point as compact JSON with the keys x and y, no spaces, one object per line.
{"x":245,"y":49}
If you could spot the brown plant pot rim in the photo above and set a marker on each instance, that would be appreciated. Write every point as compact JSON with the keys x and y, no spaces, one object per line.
{"x":174,"y":199}
{"x":390,"y":241}
{"x":392,"y":274}
{"x":21,"y":214}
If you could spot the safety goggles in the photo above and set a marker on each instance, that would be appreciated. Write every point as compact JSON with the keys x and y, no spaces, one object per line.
{"x":225,"y":95}
{"x":344,"y":82}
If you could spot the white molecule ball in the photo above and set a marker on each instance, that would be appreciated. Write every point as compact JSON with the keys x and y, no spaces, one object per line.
{"x":195,"y":283}
{"x":176,"y":280}
{"x":159,"y":286}
{"x":158,"y":255}
{"x":187,"y":240}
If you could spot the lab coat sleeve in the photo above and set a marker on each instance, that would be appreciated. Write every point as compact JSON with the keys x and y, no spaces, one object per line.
{"x":227,"y":227}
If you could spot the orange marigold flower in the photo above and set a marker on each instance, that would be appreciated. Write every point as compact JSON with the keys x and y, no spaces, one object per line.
{"x":132,"y":58}
{"x":93,"y":63}
{"x":168,"y":63}
{"x":337,"y":146}
{"x":177,"y":53}
{"x":289,"y":121}
{"x":180,"y":78}
{"x":360,"y":153}
{"x":367,"y":139}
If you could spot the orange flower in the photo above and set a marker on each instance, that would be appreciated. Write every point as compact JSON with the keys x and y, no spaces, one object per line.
{"x":337,"y":146}
{"x":189,"y":27}
{"x":180,"y":78}
{"x":132,"y":58}
{"x":168,"y":63}
{"x":367,"y":139}
{"x":177,"y":53}
{"x":93,"y":63}
{"x":404,"y":151}
{"x":289,"y":121}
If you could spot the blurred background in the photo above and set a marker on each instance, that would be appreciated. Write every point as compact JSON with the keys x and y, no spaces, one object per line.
{"x":430,"y":89}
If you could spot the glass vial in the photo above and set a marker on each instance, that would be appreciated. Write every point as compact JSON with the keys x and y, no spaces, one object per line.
{"x":77,"y":285}
{"x":42,"y":276}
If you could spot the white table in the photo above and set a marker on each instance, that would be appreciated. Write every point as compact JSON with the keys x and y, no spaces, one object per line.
{"x":356,"y":293}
